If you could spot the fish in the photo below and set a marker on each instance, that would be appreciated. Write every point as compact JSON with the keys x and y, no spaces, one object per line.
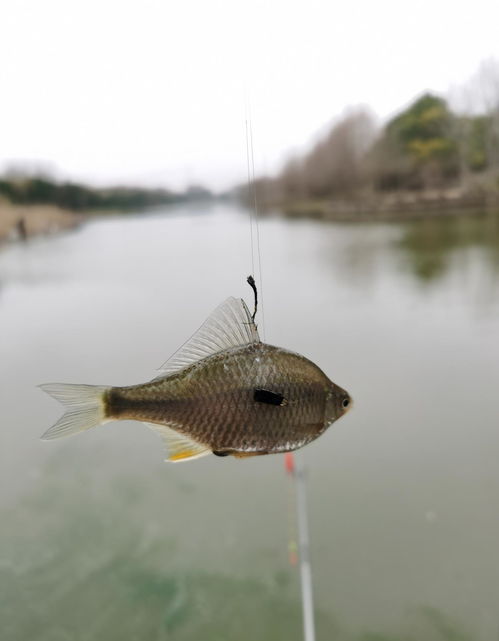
{"x":223,"y":392}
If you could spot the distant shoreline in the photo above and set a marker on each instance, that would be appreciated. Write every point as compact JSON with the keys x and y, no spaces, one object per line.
{"x":21,"y":222}
{"x":391,"y":207}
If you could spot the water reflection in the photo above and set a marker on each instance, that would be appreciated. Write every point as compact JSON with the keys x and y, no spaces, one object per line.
{"x":427,"y":249}
{"x":430,"y":244}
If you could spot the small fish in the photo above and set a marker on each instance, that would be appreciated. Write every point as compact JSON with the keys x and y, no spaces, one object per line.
{"x":224,"y":392}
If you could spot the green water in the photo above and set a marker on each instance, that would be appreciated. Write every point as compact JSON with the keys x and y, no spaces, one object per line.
{"x":100,"y":540}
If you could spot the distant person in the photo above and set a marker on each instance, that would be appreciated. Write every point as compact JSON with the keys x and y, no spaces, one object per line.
{"x":21,"y":229}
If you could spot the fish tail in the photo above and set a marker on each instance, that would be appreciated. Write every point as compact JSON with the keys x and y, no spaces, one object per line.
{"x":85,"y":408}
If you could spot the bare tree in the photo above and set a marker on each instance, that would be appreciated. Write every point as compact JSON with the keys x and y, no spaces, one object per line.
{"x":335,"y":166}
{"x":480,"y":96}
{"x":488,"y":75}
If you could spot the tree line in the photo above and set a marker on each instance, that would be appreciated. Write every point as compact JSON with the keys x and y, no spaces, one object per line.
{"x":430,"y":145}
{"x":42,"y":190}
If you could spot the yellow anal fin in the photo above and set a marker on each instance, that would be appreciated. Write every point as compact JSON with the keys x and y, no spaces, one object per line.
{"x":186,"y":454}
{"x":179,"y":447}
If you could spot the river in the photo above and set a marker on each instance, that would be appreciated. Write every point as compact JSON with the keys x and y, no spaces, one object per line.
{"x":102,"y":541}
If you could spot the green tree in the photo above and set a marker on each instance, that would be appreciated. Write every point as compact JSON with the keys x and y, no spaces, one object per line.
{"x":417,"y":148}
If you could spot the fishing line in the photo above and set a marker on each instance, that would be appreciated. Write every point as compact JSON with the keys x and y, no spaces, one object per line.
{"x":256,"y":226}
{"x":249,"y":193}
{"x":253,"y":210}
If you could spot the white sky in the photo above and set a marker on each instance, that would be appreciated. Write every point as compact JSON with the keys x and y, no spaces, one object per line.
{"x":153,"y":91}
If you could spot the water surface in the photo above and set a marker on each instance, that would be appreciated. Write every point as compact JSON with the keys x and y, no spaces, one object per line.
{"x":101,"y":540}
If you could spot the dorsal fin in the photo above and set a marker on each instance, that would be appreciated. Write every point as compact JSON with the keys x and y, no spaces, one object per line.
{"x":179,"y":447}
{"x":230,"y":325}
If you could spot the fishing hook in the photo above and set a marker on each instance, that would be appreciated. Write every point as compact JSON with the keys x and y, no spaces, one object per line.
{"x":251,"y":282}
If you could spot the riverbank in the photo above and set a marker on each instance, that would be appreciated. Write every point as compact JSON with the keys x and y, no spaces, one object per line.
{"x":395,"y":206}
{"x":19,"y":222}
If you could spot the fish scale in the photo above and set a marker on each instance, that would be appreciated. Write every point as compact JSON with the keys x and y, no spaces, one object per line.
{"x":224,"y":391}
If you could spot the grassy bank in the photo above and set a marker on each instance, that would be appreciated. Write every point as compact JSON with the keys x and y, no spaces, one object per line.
{"x":33,"y":205}
{"x":22,"y":221}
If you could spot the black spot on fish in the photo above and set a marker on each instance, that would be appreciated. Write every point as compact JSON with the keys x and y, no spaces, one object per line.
{"x":271,"y":398}
{"x":220,"y":453}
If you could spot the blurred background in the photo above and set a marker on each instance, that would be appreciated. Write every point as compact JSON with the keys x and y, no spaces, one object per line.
{"x":125,"y":219}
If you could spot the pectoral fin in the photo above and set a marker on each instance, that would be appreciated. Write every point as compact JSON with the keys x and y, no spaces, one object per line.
{"x":179,"y":447}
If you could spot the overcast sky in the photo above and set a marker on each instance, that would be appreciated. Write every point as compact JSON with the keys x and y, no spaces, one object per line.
{"x":153,"y":91}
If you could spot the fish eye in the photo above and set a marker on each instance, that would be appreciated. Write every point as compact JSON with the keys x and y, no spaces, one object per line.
{"x":345,"y":403}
